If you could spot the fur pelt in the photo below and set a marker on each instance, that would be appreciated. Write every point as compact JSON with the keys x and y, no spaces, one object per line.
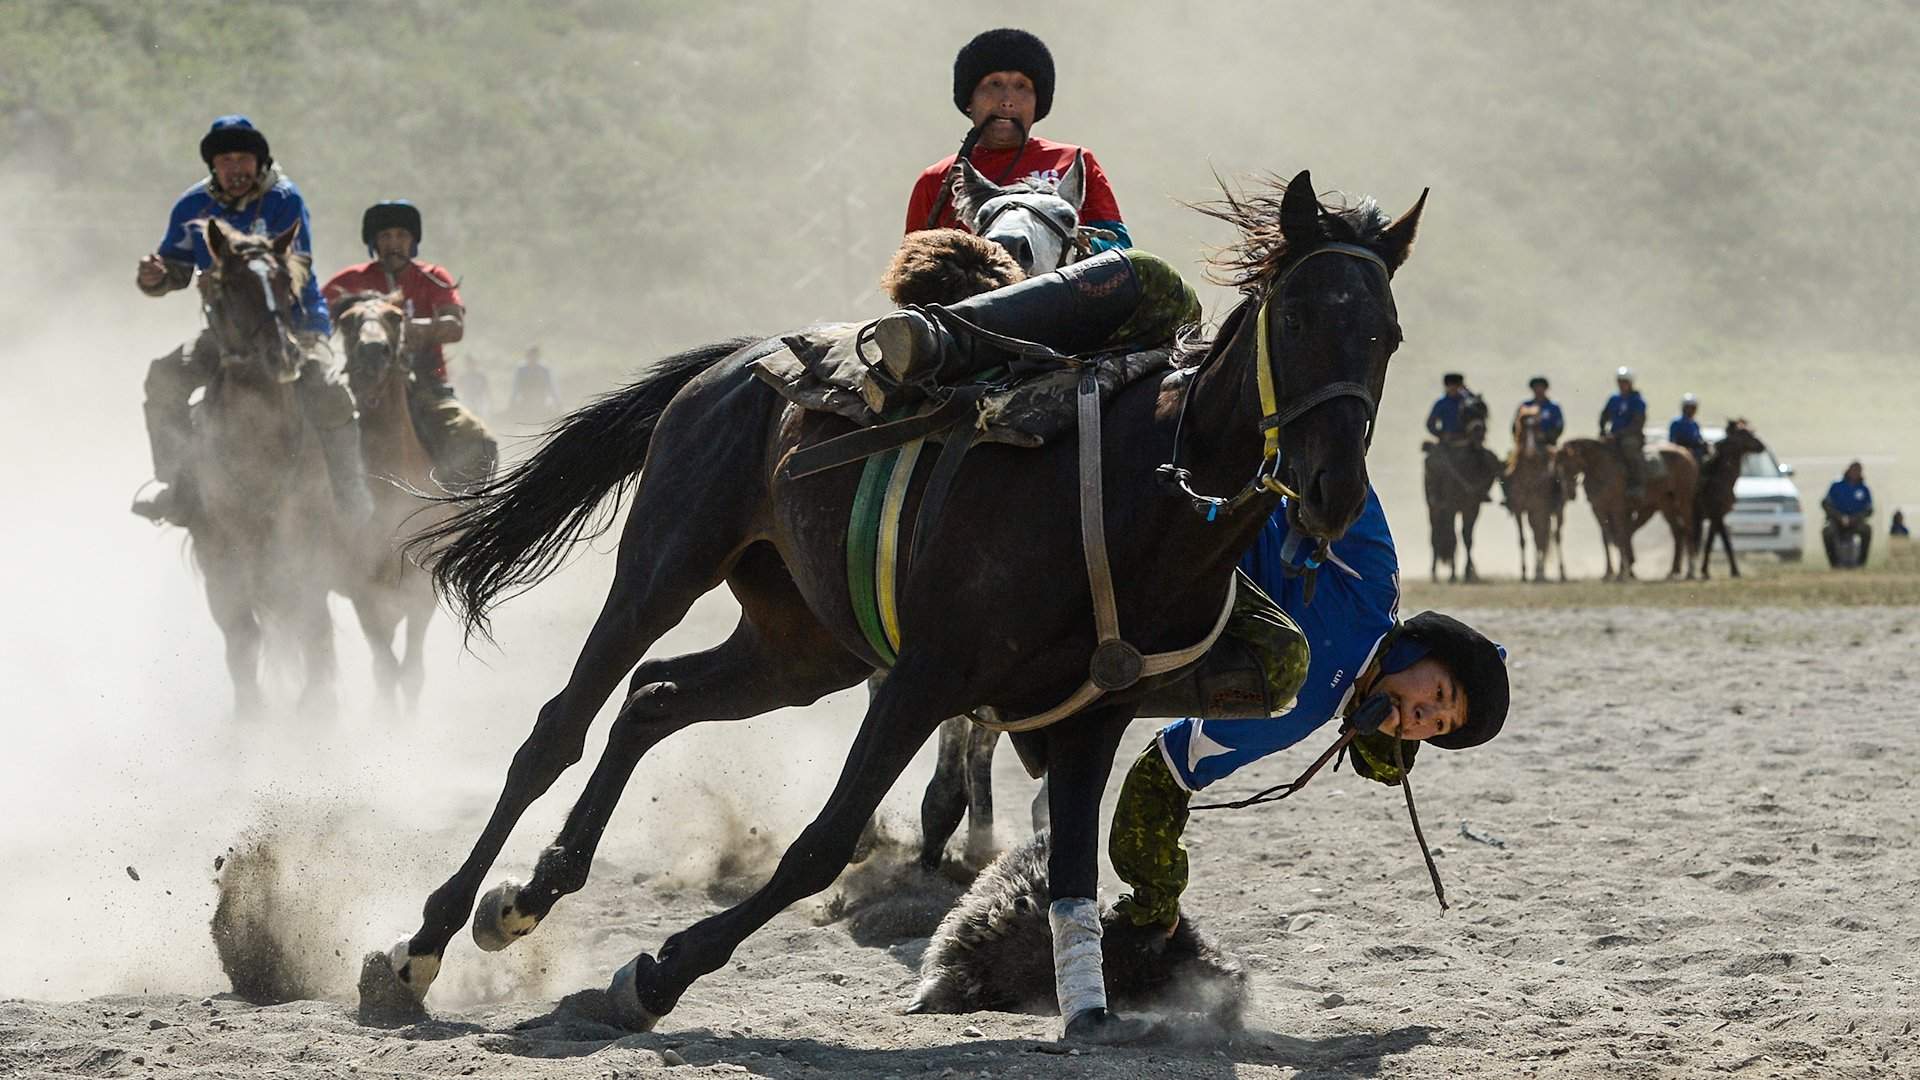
{"x":994,"y":951}
{"x":945,"y":266}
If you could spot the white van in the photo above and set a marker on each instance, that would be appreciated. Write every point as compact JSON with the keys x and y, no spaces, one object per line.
{"x":1766,"y":506}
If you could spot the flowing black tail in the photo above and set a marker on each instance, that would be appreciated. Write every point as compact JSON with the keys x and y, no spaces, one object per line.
{"x":513,"y":531}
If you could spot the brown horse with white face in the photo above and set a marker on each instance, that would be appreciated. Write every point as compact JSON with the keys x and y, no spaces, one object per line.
{"x":1669,"y":495}
{"x":387,"y":589}
{"x":268,"y":539}
{"x":1534,"y":496}
{"x":1714,"y":501}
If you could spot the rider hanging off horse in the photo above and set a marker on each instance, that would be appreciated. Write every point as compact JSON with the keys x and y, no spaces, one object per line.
{"x":245,"y":190}
{"x":462,"y":449}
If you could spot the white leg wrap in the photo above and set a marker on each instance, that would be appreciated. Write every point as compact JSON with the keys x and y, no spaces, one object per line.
{"x":1078,"y":980}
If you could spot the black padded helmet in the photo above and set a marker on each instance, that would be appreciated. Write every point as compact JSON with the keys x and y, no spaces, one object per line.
{"x":1005,"y":49}
{"x":1477,"y":664}
{"x":390,"y":214}
{"x":234,"y":133}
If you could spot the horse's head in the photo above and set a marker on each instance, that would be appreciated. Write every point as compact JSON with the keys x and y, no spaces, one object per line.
{"x":1037,"y":221}
{"x":1326,"y":328}
{"x":373,"y":326}
{"x":1740,"y":439}
{"x":250,"y":289}
{"x":1526,"y":428}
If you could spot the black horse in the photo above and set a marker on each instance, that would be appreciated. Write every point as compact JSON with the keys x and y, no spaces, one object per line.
{"x":995,"y":610}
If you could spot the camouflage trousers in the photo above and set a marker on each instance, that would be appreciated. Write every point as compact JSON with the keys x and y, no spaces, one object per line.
{"x":1167,"y":302}
{"x":463,"y":450}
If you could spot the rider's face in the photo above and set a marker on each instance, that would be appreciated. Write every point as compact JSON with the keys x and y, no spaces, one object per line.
{"x":394,"y":247}
{"x":1427,"y":701}
{"x":235,"y":171}
{"x":1004,"y":101}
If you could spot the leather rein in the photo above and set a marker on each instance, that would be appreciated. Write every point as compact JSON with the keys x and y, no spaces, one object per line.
{"x":1274,"y":415}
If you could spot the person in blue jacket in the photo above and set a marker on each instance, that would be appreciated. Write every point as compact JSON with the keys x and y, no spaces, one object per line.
{"x":244,"y":189}
{"x":1623,"y":423}
{"x":1447,"y":421}
{"x":1445,"y":682}
{"x":1685,"y":429}
{"x":1552,"y":423}
{"x":1848,"y":504}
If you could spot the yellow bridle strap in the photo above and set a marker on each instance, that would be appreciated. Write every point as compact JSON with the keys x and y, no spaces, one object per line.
{"x":1269,"y":409}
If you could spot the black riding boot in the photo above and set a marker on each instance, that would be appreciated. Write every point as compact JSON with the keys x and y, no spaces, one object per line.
{"x":1074,"y":310}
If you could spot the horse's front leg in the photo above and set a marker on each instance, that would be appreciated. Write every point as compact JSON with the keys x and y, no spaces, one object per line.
{"x":1080,"y":753}
{"x":981,"y":742}
{"x":233,"y":612}
{"x":920,"y":692}
{"x":1520,"y":534}
{"x":945,"y":800}
{"x":1468,"y":519}
{"x":1726,"y":538}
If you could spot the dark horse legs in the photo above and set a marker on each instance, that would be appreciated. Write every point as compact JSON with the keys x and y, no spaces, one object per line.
{"x":919,"y":693}
{"x":754,"y":671}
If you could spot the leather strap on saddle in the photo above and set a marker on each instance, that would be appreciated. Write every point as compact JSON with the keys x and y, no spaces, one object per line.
{"x":858,"y":445}
{"x":1116,"y":664}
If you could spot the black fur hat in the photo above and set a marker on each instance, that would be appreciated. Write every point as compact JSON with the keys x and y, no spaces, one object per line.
{"x":1004,"y":50}
{"x":1478,"y":664}
{"x":391,"y":214}
{"x":235,"y":133}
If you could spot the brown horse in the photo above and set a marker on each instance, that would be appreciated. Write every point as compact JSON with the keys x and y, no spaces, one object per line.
{"x":386,"y":588}
{"x":1714,"y":499}
{"x":1458,"y":477}
{"x":1670,"y":496}
{"x":1534,"y":495}
{"x":267,"y":539}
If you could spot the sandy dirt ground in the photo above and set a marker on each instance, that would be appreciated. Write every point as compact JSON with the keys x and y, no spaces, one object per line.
{"x":1704,"y":863}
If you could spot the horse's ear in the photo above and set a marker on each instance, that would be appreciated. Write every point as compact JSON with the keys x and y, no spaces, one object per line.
{"x":219,"y":238}
{"x":1300,"y":213}
{"x":284,"y":242}
{"x":1073,"y":186}
{"x":1396,"y":243}
{"x":970,"y":190}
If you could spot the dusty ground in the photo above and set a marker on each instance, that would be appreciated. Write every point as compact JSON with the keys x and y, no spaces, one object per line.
{"x":1708,"y":866}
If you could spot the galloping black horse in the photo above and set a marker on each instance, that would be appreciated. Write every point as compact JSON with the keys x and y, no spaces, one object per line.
{"x":996,"y":608}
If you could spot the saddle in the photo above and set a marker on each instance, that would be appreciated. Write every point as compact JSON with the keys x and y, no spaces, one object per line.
{"x":826,"y":369}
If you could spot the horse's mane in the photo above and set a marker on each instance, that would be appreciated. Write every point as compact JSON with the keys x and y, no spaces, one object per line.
{"x":1261,"y":250}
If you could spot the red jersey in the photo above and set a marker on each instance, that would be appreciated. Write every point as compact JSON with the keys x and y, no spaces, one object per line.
{"x":427,"y":289}
{"x":1040,"y":158}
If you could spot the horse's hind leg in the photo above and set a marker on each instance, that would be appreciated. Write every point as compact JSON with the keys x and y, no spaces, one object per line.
{"x":233,"y":613}
{"x":777,"y":656}
{"x":980,"y":745}
{"x":945,"y":801}
{"x":665,"y":563}
{"x":1467,"y":519}
{"x":906,"y":709}
{"x":378,"y":621}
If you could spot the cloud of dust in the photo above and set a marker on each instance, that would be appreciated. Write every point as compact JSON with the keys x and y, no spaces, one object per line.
{"x":1668,"y":189}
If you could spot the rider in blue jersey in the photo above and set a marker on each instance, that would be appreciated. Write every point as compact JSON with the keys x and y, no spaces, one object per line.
{"x":244,"y":189}
{"x":1623,"y":423}
{"x":1446,"y":684}
{"x":1684,"y":430}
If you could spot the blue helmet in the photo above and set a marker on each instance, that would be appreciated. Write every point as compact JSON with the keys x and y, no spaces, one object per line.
{"x":234,"y":134}
{"x":390,"y":214}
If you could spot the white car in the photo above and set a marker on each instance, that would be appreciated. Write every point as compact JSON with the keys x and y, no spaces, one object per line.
{"x":1766,"y":506}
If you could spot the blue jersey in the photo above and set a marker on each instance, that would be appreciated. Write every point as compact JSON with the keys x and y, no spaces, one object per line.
{"x":269,"y":215}
{"x":1846,"y":498}
{"x":1623,"y":409}
{"x":1553,"y":423}
{"x":1685,"y":431}
{"x":1355,"y":602}
{"x":1444,"y":418}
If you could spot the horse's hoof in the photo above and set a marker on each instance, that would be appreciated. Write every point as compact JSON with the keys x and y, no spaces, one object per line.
{"x":497,"y":923}
{"x":1103,"y":1027}
{"x":393,"y":986}
{"x":623,"y":993}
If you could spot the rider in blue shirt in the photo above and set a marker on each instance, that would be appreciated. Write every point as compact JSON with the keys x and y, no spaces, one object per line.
{"x":1446,"y":682}
{"x":1623,"y":423}
{"x":1445,"y":419}
{"x":1685,"y":430}
{"x":244,"y":189}
{"x":1848,"y":504}
{"x":1553,"y":422}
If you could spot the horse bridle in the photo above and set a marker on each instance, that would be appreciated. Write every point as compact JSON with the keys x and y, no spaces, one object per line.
{"x":1066,"y":235}
{"x":276,"y":318}
{"x":1275,"y":415}
{"x":397,"y":350}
